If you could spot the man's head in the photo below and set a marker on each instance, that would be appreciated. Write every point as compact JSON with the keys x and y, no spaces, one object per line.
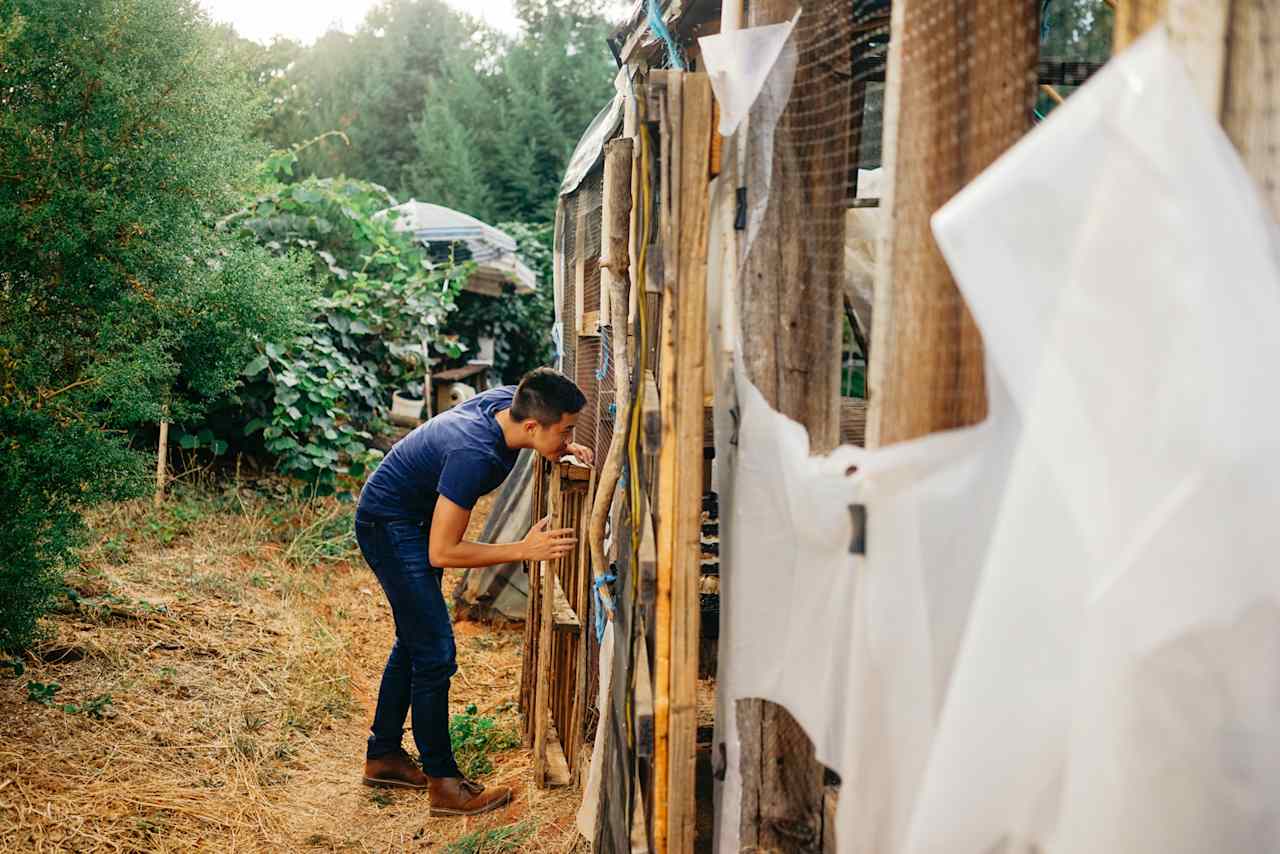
{"x":546,"y":407}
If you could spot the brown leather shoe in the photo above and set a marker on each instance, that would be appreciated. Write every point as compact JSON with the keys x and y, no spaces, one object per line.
{"x":460,"y":796}
{"x":395,"y":769}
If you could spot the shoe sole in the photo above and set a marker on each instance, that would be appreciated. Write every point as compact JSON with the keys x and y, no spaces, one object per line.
{"x":489,"y":807}
{"x":379,"y":783}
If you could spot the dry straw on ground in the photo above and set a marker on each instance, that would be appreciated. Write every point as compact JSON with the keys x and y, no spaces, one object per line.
{"x":239,"y":638}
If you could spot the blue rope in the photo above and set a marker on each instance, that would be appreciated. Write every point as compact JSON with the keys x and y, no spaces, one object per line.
{"x":1044,"y":20}
{"x":595,"y":591}
{"x":660,"y":30}
{"x":603,"y":370}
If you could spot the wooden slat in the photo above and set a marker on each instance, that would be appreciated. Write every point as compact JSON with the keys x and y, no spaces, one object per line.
{"x":651,"y":417}
{"x":664,"y":508}
{"x":563,"y":616}
{"x":557,"y":767}
{"x":533,"y":622}
{"x":697,"y":131}
{"x":580,"y":263}
{"x":586,"y":639}
{"x":541,"y":694}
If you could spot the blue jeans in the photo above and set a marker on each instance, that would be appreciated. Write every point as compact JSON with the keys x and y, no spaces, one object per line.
{"x":423,"y":657}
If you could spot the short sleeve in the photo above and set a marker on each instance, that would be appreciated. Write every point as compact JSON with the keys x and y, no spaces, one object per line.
{"x":466,"y":476}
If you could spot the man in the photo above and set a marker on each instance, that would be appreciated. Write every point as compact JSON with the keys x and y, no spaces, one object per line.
{"x":410,"y":523}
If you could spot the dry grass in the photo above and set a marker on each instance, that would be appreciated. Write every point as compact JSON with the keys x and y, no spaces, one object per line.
{"x":240,"y":639}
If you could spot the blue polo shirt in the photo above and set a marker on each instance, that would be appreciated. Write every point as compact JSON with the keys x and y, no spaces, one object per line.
{"x":460,"y":454}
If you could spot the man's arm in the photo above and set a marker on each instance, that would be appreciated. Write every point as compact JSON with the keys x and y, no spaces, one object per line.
{"x":447,"y":548}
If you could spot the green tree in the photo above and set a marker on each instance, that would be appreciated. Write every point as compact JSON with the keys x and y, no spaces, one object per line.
{"x":368,"y":85}
{"x":124,"y":130}
{"x":496,"y":136}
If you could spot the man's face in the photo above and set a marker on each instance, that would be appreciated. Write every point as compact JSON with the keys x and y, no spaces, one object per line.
{"x":553,"y":440}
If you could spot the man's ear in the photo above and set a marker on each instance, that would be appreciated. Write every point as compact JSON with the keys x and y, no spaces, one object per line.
{"x":529,"y":425}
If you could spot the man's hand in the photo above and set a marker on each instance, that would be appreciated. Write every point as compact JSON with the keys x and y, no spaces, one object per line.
{"x":542,"y":544}
{"x":582,"y":452}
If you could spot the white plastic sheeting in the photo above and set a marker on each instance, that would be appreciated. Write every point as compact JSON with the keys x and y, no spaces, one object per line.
{"x":1064,"y":635}
{"x":738,"y":62}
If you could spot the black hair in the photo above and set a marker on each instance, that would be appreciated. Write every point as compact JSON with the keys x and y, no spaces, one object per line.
{"x":545,"y":395}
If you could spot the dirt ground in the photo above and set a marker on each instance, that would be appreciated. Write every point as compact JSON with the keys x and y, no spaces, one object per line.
{"x":239,"y":640}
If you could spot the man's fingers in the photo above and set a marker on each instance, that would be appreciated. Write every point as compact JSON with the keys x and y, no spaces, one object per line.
{"x":541,"y":524}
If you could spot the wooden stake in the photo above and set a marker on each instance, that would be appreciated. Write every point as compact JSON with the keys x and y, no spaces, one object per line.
{"x":162,"y":460}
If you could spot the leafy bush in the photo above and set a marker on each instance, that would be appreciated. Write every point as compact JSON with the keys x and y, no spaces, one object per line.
{"x":125,"y":130}
{"x":474,"y":738}
{"x":380,"y":311}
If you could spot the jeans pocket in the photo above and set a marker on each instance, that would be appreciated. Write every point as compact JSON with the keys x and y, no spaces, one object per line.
{"x":369,"y":539}
{"x":408,"y":543}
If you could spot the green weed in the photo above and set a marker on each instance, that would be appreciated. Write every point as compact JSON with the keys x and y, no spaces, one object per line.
{"x":98,"y":708}
{"x":496,"y":840}
{"x":474,"y":738}
{"x":42,"y":692}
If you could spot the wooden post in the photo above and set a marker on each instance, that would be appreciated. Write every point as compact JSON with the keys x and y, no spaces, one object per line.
{"x":162,"y":460}
{"x":615,"y":267}
{"x":927,"y":369}
{"x":791,"y":281}
{"x":1251,"y":92}
{"x":679,"y":503}
{"x":1232,"y":51}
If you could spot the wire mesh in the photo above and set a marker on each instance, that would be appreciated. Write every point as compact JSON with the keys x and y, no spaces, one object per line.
{"x":566,"y":266}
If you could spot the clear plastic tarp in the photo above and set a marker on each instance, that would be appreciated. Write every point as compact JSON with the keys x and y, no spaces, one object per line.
{"x":1064,"y":633}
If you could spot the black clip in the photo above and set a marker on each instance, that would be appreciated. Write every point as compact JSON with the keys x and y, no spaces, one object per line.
{"x":858,"y":543}
{"x":740,"y":215}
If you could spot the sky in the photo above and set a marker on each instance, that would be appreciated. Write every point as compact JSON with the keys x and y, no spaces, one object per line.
{"x":307,"y":20}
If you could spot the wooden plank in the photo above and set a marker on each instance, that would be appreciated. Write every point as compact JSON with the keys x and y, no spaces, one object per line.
{"x":541,"y":694}
{"x":686,"y":522}
{"x":670,"y":179}
{"x":562,"y":615}
{"x":583,"y":578}
{"x":533,"y":622}
{"x":580,"y":262}
{"x":576,"y":473}
{"x":664,"y":507}
{"x":643,"y":699}
{"x":1251,"y":94}
{"x":651,"y":416}
{"x":556,"y":764}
